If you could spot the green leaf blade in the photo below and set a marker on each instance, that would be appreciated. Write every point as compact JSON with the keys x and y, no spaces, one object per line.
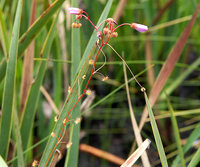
{"x":7,"y":105}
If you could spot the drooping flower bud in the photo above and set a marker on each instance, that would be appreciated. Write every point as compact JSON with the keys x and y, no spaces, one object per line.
{"x":114,"y":34}
{"x":75,"y":11}
{"x":111,"y":20}
{"x":99,"y":34}
{"x":106,"y":31}
{"x":139,"y":27}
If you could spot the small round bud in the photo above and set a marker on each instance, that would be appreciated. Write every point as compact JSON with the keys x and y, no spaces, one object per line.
{"x":111,"y":20}
{"x":78,"y":120}
{"x":91,"y":61}
{"x":105,"y":78}
{"x":88,"y":92}
{"x":65,"y":121}
{"x":99,"y":34}
{"x":53,"y":134}
{"x":69,"y":145}
{"x":74,"y":25}
{"x":106,"y":31}
{"x":114,"y":34}
{"x":35,"y":163}
{"x":78,"y":25}
{"x":69,"y":89}
{"x":143,"y":89}
{"x":55,"y":119}
{"x":84,"y":76}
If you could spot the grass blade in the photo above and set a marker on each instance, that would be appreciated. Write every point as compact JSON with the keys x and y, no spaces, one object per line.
{"x":195,"y":160}
{"x":3,"y":34}
{"x":20,"y":158}
{"x":32,"y":100}
{"x":193,"y":136}
{"x":181,"y":78}
{"x":138,"y":137}
{"x":176,"y":132}
{"x":28,"y":63}
{"x":169,"y":65}
{"x":156,"y":134}
{"x":9,"y":87}
{"x":133,"y":158}
{"x":72,"y":152}
{"x":32,"y":32}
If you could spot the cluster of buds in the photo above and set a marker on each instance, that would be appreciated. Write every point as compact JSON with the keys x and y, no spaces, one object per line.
{"x":78,"y":12}
{"x":109,"y":31}
{"x":76,"y":25}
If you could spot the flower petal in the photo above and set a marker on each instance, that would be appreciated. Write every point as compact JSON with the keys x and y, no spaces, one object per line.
{"x":75,"y":11}
{"x":139,"y":27}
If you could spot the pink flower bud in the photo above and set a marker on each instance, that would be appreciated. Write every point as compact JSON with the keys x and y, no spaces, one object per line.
{"x":75,"y":11}
{"x":139,"y":27}
{"x":111,"y":20}
{"x":99,"y":34}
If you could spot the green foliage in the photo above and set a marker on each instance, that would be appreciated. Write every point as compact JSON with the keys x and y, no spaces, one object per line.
{"x":61,"y":59}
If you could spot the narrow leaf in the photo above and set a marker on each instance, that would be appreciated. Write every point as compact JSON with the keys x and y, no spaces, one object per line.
{"x":3,"y":34}
{"x":191,"y":139}
{"x":9,"y":87}
{"x":33,"y":31}
{"x":195,"y":160}
{"x":156,"y":134}
{"x":20,"y":158}
{"x":32,"y":100}
{"x":176,"y":132}
{"x":72,"y":152}
{"x":133,"y":158}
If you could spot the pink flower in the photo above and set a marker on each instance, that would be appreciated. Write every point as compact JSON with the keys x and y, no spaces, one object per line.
{"x":75,"y":11}
{"x":139,"y":27}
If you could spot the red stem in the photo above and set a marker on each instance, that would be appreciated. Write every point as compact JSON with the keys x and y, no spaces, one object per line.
{"x":93,"y":68}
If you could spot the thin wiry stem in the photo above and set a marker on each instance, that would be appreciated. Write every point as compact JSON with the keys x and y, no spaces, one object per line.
{"x":103,"y":63}
{"x":126,"y":66}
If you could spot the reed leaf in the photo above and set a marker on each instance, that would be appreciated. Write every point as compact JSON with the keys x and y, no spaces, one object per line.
{"x":156,"y":134}
{"x":9,"y":86}
{"x":33,"y":96}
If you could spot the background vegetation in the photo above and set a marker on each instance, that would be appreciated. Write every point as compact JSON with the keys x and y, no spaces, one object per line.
{"x":41,"y":56}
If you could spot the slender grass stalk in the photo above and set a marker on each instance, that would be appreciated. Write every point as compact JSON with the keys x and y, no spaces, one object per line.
{"x":73,"y":151}
{"x":144,"y":157}
{"x":3,"y":34}
{"x":9,"y":86}
{"x":176,"y":132}
{"x":156,"y":134}
{"x":191,"y":139}
{"x":20,"y":158}
{"x":195,"y":159}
